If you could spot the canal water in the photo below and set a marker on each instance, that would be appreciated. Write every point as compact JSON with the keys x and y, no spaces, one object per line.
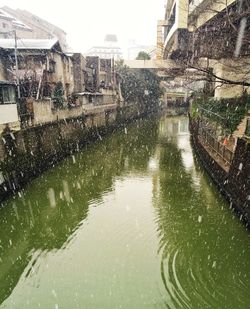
{"x":131,"y":221}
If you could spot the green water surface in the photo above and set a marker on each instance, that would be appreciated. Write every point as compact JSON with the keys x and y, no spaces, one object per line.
{"x":131,"y":221}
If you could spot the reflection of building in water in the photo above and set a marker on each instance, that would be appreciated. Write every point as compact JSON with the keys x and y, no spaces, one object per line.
{"x":176,"y":129}
{"x":109,"y":50}
{"x":174,"y":135}
{"x":173,"y":126}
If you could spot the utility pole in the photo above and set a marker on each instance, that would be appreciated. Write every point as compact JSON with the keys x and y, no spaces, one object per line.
{"x":17,"y":73}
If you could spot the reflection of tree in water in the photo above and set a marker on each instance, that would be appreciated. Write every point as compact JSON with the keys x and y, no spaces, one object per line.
{"x":176,"y":199}
{"x":30,"y":224}
{"x":140,"y":144}
{"x":195,"y":254}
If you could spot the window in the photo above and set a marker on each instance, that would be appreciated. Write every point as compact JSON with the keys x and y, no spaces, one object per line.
{"x":7,"y":94}
{"x":52,"y":66}
{"x":6,"y":97}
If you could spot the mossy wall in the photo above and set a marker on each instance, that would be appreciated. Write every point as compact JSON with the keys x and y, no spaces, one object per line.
{"x":27,"y":153}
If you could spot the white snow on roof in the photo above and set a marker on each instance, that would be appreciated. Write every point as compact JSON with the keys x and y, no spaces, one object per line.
{"x":6,"y":15}
{"x":28,"y":43}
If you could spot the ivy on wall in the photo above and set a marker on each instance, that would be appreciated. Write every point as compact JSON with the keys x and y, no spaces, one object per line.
{"x":226,"y":112}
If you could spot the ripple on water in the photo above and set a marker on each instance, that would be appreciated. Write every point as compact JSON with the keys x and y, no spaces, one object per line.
{"x":191,"y":280}
{"x":171,"y":282}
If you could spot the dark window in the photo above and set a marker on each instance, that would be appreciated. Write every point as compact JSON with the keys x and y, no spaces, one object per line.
{"x":7,"y":94}
{"x":52,"y":66}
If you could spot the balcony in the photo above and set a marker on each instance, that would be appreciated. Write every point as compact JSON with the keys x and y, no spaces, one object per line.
{"x":176,"y":17}
{"x":201,"y":11}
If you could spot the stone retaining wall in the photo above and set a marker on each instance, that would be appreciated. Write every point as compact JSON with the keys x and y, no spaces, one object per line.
{"x":27,"y":153}
{"x":234,"y":185}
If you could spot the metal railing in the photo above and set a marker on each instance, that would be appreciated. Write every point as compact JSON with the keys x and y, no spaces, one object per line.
{"x":221,"y":150}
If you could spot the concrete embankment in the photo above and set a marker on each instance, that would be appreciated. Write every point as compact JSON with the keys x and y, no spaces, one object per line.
{"x":234,"y":184}
{"x":27,"y":153}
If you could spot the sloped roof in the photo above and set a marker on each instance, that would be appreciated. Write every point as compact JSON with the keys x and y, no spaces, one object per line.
{"x":43,"y":44}
{"x":15,"y":22}
{"x":6,"y":15}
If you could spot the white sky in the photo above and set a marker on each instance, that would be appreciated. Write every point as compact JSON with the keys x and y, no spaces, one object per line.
{"x":87,"y":21}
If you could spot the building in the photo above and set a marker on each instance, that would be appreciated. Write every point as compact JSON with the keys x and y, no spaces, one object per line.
{"x":51,"y":85}
{"x":41,"y":65}
{"x":30,"y":26}
{"x":9,"y":24}
{"x":102,"y":84}
{"x":206,"y":34}
{"x":8,"y":100}
{"x":79,"y":72}
{"x":109,"y":50}
{"x":8,"y":106}
{"x":44,"y":71}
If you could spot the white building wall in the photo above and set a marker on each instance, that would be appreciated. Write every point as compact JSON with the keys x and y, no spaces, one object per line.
{"x":234,"y":70}
{"x":8,"y":113}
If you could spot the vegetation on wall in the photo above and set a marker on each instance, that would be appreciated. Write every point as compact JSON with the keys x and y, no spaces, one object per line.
{"x":58,"y":95}
{"x":226,"y":112}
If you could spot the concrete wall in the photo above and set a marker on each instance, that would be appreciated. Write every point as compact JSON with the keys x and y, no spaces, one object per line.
{"x":151,"y":64}
{"x":43,"y":112}
{"x":2,"y":70}
{"x":79,"y":67}
{"x":233,"y":69}
{"x":64,"y":72}
{"x":161,"y":24}
{"x":8,"y":113}
{"x":182,"y":14}
{"x":181,"y":18}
